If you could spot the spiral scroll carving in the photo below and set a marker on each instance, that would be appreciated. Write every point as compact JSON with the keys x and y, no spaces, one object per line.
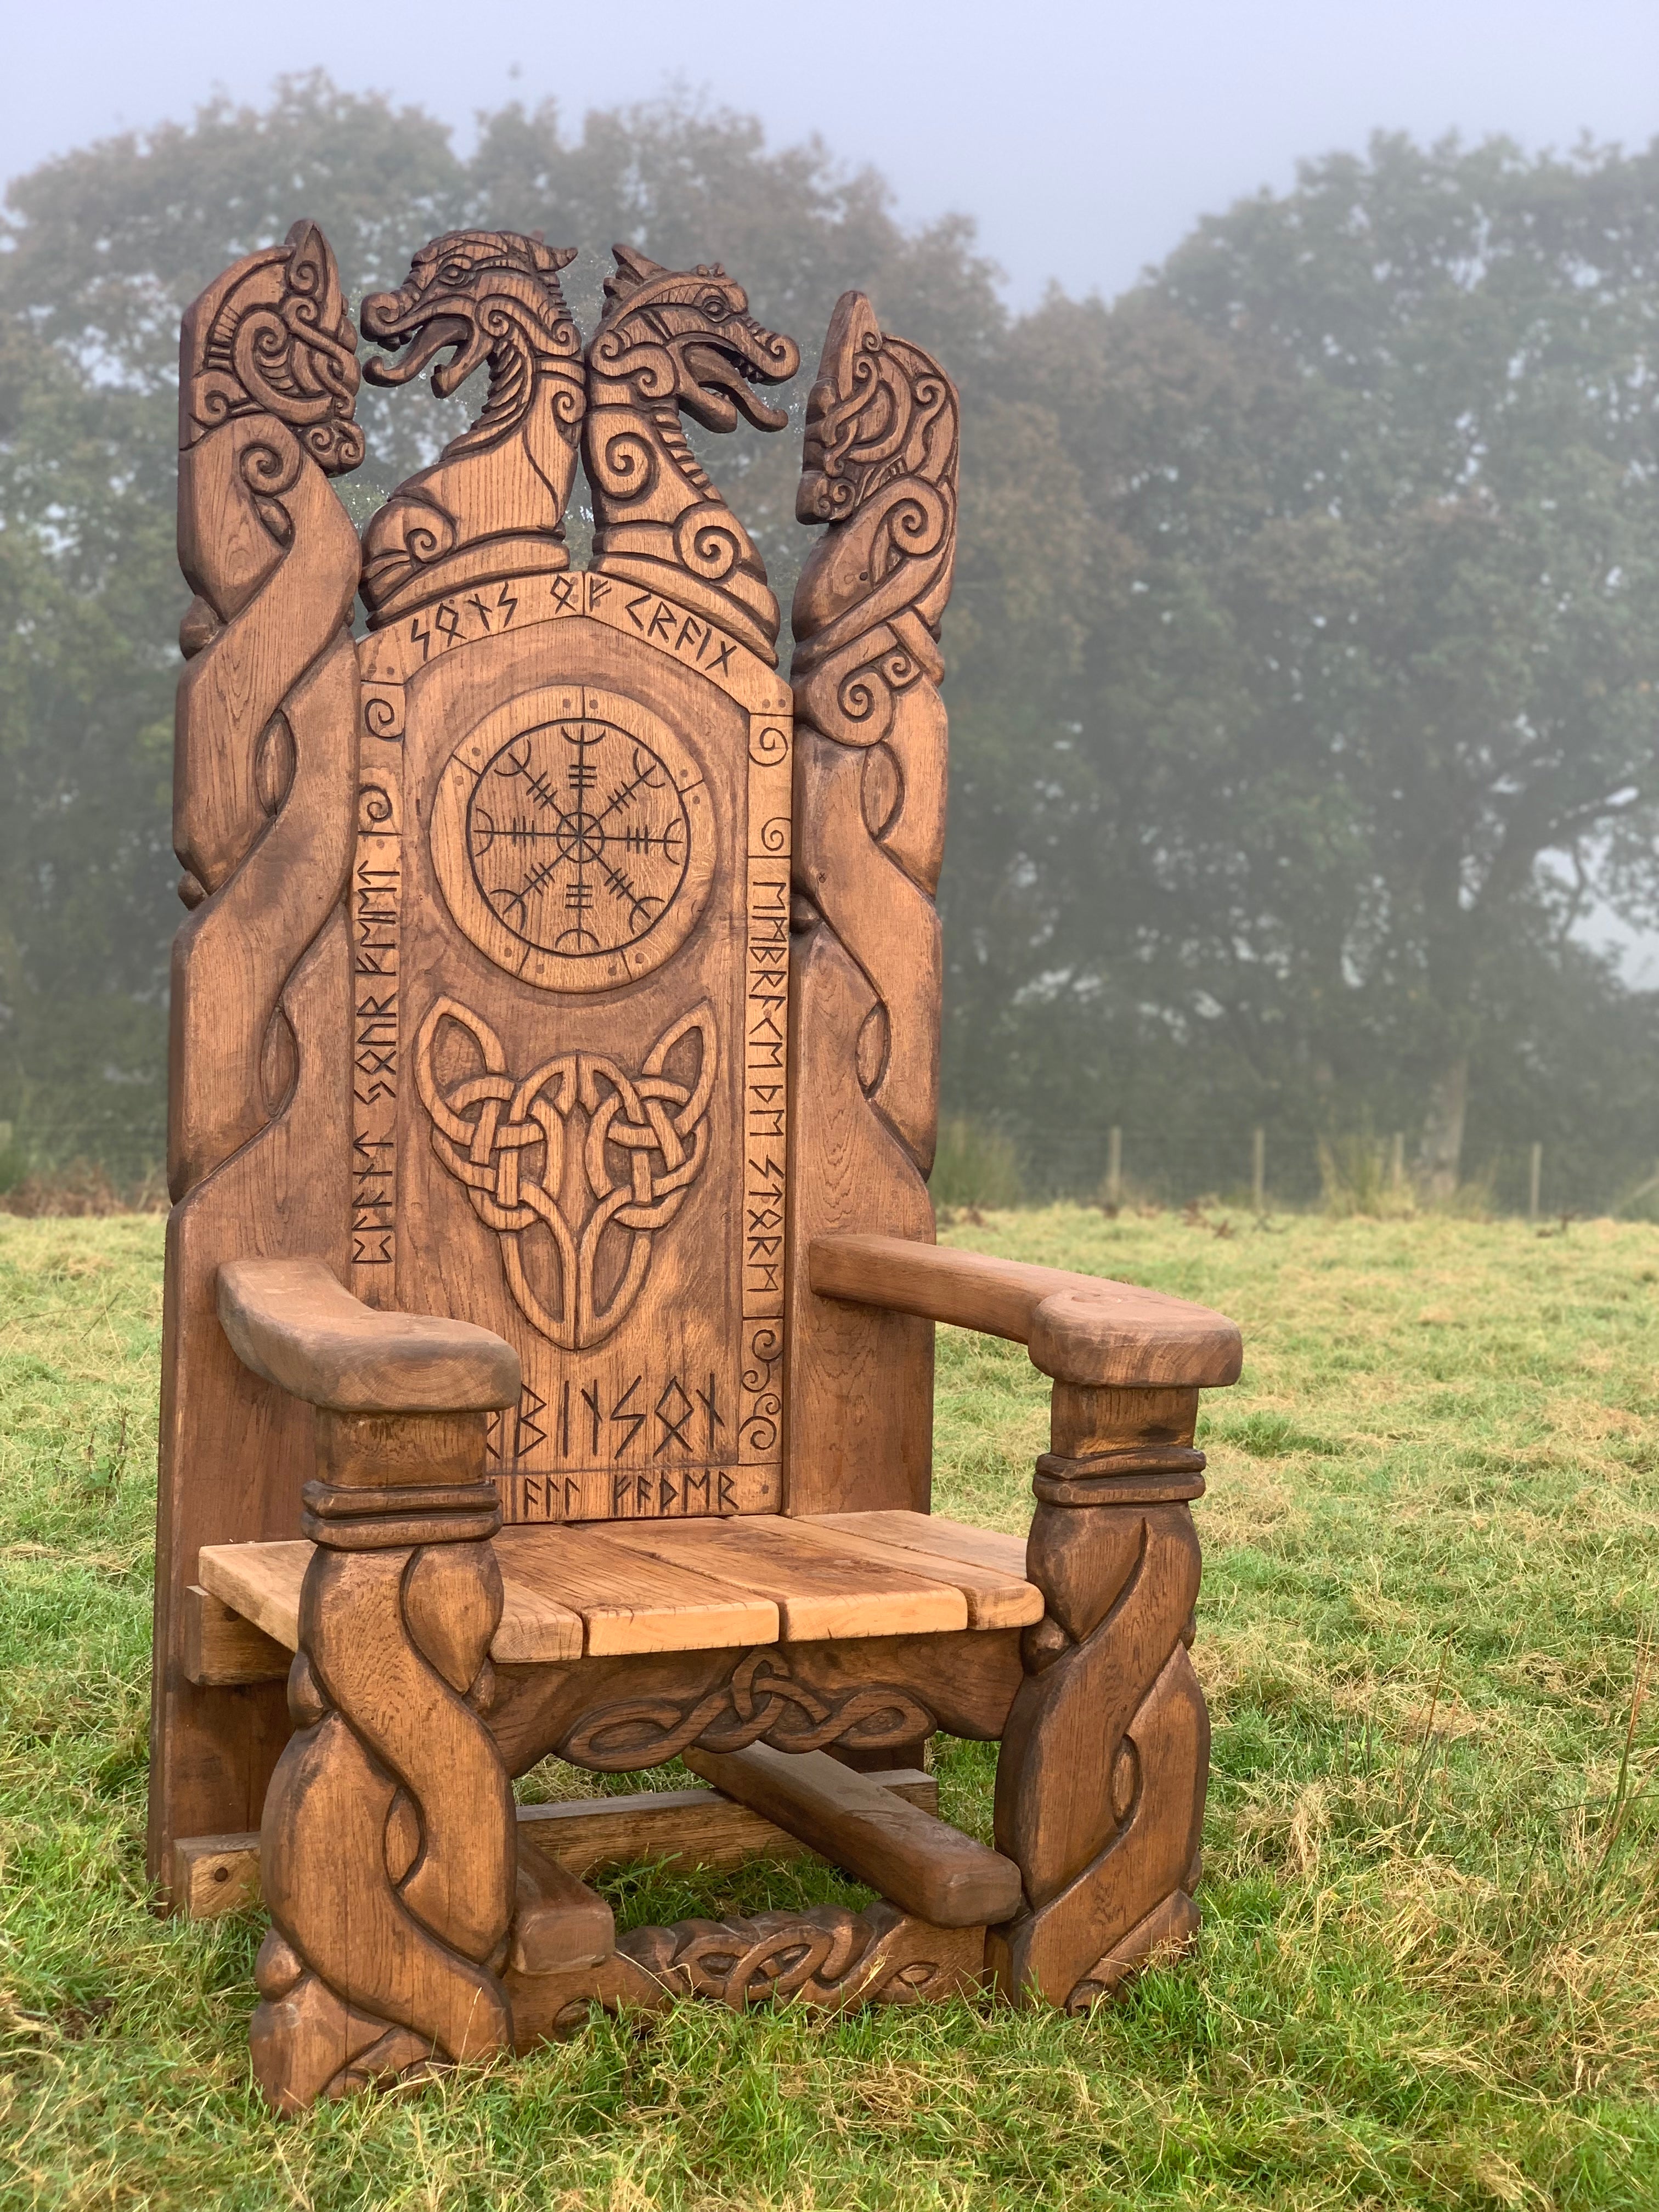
{"x":268,"y":380}
{"x":673,"y":340}
{"x":880,"y":470}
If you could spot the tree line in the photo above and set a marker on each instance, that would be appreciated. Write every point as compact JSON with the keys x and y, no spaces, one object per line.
{"x":1303,"y":662}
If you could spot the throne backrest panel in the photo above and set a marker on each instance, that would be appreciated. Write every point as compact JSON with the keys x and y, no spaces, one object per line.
{"x":570,"y":903}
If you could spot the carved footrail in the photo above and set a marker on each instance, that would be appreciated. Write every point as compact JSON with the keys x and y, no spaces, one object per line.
{"x":1101,"y":1780}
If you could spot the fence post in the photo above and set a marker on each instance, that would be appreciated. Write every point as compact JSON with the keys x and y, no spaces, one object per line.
{"x":1397,"y":1166}
{"x":1534,"y":1180}
{"x":1259,"y":1170}
{"x":1115,"y":1166}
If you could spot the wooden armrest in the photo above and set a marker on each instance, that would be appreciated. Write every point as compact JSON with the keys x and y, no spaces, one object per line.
{"x":1078,"y":1329}
{"x":291,"y":1321}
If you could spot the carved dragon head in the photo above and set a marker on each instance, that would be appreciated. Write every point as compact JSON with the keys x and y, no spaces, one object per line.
{"x":486,"y":295}
{"x":687,"y":337}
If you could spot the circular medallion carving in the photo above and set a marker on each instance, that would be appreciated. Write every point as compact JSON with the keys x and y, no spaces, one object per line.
{"x":573,"y":838}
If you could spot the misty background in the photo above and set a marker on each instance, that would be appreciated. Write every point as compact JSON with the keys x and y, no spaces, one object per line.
{"x":1304,"y":655}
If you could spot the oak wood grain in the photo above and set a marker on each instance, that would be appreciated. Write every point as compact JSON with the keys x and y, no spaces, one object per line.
{"x":994,"y":1598}
{"x":632,"y":1601}
{"x":292,"y":1323}
{"x":1078,"y":1328}
{"x":213,"y":1875}
{"x":934,"y":1535}
{"x":818,"y":1593}
{"x":224,"y":1650}
{"x":263,"y":1583}
{"x":918,"y":1861}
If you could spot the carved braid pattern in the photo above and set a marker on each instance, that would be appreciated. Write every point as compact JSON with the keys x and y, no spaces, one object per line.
{"x":1108,"y":1843}
{"x":387,"y":1846}
{"x":759,"y":1702}
{"x":880,"y":467}
{"x":829,"y":1957}
{"x":265,"y":760}
{"x":481,"y":296}
{"x":672,"y":340}
{"x":487,"y":1129}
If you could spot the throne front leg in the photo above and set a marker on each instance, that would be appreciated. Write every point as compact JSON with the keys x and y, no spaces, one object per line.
{"x":387,"y":1849}
{"x":1105,"y":1758}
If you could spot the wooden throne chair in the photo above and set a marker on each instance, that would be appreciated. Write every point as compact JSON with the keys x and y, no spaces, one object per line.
{"x":550,"y":1285}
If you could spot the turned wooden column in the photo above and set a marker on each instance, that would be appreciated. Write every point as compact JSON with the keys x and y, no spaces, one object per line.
{"x":1100,"y":1782}
{"x":387,"y":1849}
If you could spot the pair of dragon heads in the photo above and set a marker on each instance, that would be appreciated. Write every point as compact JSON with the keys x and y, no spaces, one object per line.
{"x":681,"y":338}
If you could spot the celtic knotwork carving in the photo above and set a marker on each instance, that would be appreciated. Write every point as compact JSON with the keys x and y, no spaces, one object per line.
{"x":829,"y":1956}
{"x":273,"y":338}
{"x":760,"y":1701}
{"x":505,"y":1139}
{"x":481,"y":296}
{"x":673,"y":341}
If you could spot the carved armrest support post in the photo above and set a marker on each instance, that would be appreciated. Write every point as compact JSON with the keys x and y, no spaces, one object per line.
{"x":387,"y":1851}
{"x":1105,"y":1756}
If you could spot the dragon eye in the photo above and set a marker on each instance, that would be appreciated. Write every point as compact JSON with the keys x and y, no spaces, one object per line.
{"x":714,"y":306}
{"x":453,"y":272}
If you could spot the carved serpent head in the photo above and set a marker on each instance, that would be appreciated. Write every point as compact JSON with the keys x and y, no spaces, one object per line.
{"x":486,"y":295}
{"x":686,"y":336}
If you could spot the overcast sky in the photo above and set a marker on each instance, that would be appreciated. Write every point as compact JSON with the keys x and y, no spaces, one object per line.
{"x":1084,"y":138}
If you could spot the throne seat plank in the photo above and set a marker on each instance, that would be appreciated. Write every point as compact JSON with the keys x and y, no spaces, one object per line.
{"x":601,"y":1590}
{"x":820,"y":1592}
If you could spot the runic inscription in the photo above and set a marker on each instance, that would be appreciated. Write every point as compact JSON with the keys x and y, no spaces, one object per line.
{"x":573,"y":839}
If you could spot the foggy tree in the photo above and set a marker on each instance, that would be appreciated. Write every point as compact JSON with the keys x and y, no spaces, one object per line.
{"x":1365,"y":556}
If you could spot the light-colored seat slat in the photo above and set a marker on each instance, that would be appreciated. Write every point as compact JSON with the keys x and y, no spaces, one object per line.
{"x":818,"y":1595}
{"x":936,"y":1535}
{"x":995,"y":1598}
{"x":262,"y":1582}
{"x":630,"y":1601}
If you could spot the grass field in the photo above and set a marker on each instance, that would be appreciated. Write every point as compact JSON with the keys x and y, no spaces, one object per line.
{"x":1429,"y":1974}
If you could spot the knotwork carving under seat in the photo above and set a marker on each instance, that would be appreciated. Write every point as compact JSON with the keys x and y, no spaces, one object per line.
{"x":511,"y":1143}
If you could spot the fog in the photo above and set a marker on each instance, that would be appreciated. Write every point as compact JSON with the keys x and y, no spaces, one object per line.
{"x":1083,"y":139}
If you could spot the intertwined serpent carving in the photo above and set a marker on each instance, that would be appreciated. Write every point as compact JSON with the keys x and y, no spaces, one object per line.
{"x":505,"y":1139}
{"x":759,"y":1699}
{"x":829,"y":1956}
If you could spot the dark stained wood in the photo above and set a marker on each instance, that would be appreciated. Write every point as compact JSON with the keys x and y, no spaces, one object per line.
{"x":516,"y":1181}
{"x":558,"y":1922}
{"x":223,"y":1650}
{"x":699,"y":1827}
{"x":1078,"y":1329}
{"x":918,"y":1861}
{"x":963,"y":1683}
{"x":571,"y":891}
{"x":213,"y":1875}
{"x":1101,"y":1779}
{"x":291,"y":1321}
{"x":263,"y":795}
{"x":880,"y":469}
{"x":829,"y":1959}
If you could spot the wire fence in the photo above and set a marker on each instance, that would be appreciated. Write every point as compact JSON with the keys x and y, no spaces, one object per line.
{"x":1262,"y":1169}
